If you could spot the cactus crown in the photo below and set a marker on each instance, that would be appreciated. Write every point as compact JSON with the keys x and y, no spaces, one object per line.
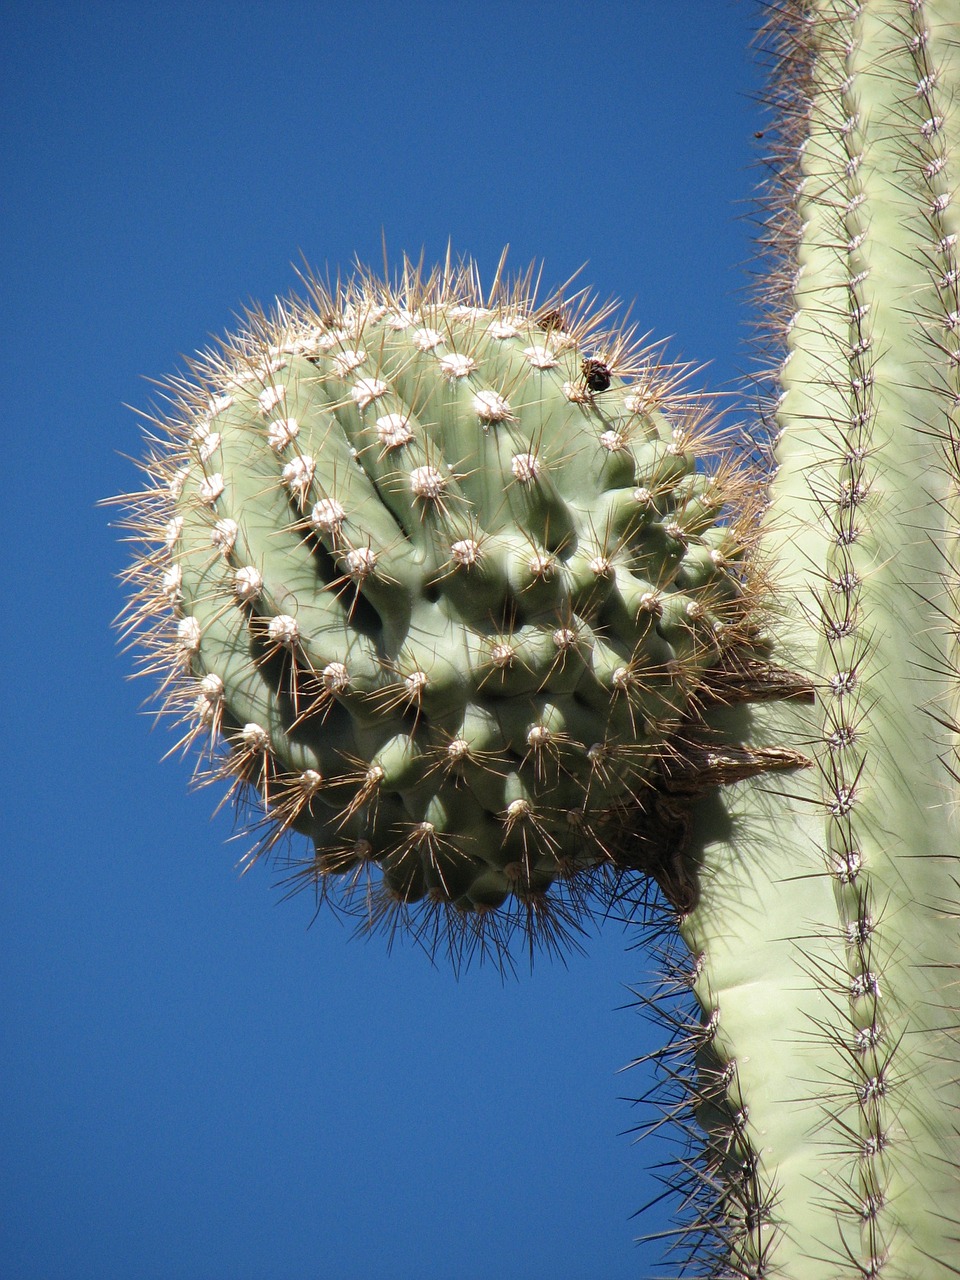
{"x":442,"y":578}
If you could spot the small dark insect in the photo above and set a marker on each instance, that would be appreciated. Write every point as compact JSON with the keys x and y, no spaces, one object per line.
{"x":595,"y":374}
{"x":553,"y":319}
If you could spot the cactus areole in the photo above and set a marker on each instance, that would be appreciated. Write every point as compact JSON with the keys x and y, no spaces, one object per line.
{"x":446,"y":581}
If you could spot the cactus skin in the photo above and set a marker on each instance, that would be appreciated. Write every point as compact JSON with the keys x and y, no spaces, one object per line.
{"x":444,"y":580}
{"x":826,"y":935}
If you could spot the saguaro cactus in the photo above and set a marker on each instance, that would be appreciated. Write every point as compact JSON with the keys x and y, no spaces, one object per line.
{"x":826,"y":937}
{"x":457,"y":586}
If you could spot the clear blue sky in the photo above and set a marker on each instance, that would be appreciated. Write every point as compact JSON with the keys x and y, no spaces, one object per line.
{"x":196,"y":1084}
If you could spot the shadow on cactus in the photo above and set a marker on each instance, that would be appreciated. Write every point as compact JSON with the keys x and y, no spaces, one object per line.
{"x":446,"y":581}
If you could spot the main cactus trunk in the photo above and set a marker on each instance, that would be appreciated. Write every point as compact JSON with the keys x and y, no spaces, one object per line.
{"x":826,"y":935}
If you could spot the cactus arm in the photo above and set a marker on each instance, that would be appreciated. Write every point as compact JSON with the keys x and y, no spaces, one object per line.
{"x":826,"y":933}
{"x":436,"y":583}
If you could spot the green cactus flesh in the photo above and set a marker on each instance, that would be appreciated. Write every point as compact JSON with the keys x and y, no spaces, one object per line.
{"x":826,"y":932}
{"x":446,"y":583}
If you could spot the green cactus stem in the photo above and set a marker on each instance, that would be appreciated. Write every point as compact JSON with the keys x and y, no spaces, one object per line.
{"x":826,"y":934}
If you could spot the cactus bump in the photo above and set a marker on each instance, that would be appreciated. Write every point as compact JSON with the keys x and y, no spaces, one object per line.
{"x":434,"y":579}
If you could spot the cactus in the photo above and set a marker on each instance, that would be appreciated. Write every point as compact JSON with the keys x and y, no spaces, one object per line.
{"x":825,"y":938}
{"x":464,"y":590}
{"x":433,"y":576}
